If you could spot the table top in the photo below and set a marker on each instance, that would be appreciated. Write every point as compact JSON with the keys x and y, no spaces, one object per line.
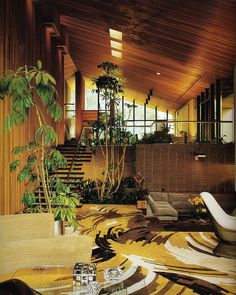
{"x":59,"y":280}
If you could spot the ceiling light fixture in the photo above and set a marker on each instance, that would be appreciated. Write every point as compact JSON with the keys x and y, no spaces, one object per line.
{"x":116,"y":45}
{"x":115,"y":34}
{"x":116,"y":53}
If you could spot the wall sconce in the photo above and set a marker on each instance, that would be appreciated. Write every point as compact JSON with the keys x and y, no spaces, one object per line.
{"x":199,"y":155}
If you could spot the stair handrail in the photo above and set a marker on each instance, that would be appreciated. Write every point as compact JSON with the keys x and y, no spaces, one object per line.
{"x":78,"y":145}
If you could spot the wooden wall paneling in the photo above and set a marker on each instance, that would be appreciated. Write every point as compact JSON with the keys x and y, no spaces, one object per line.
{"x":6,"y":160}
{"x":94,"y":169}
{"x":173,"y":167}
{"x":29,"y":37}
{"x":38,"y":37}
{"x":88,"y":116}
{"x":22,"y":36}
{"x":179,"y":41}
{"x":60,"y":126}
{"x":79,"y":98}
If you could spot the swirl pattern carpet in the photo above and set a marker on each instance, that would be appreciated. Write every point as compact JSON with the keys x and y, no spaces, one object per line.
{"x":164,"y":262}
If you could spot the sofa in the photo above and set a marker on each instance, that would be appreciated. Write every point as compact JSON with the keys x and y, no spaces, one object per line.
{"x":158,"y":205}
{"x":27,"y":240}
{"x":169,"y":205}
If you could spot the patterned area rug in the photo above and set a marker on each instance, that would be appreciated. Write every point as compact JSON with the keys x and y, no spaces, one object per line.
{"x":165,"y":262}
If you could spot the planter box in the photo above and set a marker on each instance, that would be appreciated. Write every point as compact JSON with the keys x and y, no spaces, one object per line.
{"x":142,"y":205}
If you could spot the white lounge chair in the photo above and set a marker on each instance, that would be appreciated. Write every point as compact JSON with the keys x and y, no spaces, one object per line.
{"x":224,"y":224}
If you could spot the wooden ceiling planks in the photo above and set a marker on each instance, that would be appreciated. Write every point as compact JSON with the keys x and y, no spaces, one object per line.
{"x":190,"y":42}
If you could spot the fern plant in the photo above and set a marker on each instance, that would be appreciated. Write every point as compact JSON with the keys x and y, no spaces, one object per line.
{"x":32,"y":88}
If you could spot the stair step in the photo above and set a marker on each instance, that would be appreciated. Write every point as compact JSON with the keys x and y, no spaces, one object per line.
{"x":77,"y":153}
{"x":62,"y":147}
{"x":78,"y":156}
{"x":72,"y":174}
{"x":71,"y":144}
{"x":83,"y":154}
{"x":73,"y":182}
{"x":58,"y":172}
{"x":68,"y":167}
{"x":66,"y":172}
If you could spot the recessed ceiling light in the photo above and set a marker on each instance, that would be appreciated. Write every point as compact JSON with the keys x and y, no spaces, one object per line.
{"x":116,"y":53}
{"x":116,"y":45}
{"x":158,"y":74}
{"x":115,"y":34}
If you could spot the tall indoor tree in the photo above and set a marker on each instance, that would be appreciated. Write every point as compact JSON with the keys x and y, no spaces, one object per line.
{"x":111,"y":136}
{"x":32,"y":89}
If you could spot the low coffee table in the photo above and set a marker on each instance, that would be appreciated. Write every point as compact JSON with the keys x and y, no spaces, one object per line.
{"x":59,"y":280}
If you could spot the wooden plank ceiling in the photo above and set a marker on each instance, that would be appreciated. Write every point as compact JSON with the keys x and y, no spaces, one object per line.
{"x":189,"y":42}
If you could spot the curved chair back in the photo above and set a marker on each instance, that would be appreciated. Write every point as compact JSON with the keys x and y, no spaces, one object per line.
{"x":224,"y":224}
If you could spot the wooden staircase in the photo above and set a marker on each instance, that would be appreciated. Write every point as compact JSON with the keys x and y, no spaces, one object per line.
{"x":76,"y":155}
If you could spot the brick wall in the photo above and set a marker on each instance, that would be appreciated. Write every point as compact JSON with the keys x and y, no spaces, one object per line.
{"x":172,"y":167}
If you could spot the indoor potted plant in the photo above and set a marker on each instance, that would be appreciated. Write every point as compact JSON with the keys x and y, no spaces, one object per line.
{"x":32,"y":91}
{"x":64,"y":203}
{"x":198,"y":206}
{"x":141,"y":193}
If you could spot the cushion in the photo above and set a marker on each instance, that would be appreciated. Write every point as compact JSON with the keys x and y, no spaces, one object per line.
{"x":152,"y":204}
{"x":164,"y":209}
{"x":175,"y":197}
{"x":149,"y":211}
{"x":161,"y":208}
{"x":159,"y":196}
{"x":63,"y":250}
{"x":26,"y":226}
{"x":182,"y":205}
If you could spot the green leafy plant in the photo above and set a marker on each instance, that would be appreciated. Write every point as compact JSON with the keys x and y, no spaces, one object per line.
{"x":160,"y":136}
{"x":140,"y":192}
{"x":129,"y":182}
{"x":32,"y":89}
{"x":64,"y":201}
{"x":88,"y":191}
{"x":109,"y":130}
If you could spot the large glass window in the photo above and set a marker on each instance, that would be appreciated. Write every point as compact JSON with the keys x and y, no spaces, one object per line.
{"x":137,"y":126}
